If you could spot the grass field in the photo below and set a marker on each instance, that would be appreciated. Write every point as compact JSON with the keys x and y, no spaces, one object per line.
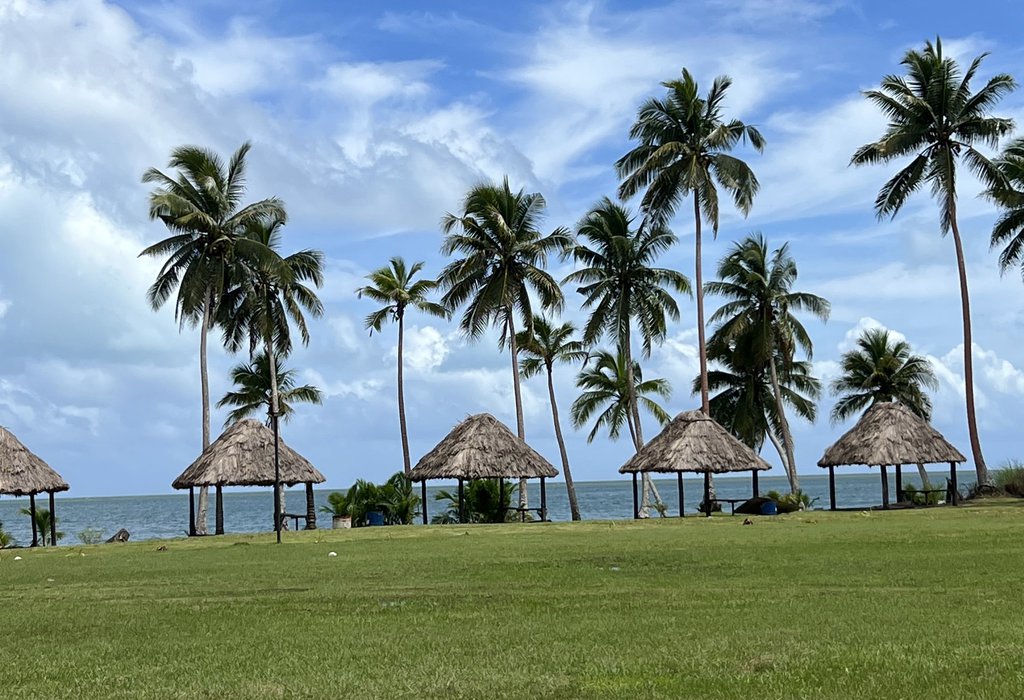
{"x":925,"y":603}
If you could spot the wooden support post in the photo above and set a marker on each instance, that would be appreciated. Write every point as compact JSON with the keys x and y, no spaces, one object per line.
{"x":899,"y":483}
{"x":636,"y":501}
{"x":32,"y":514}
{"x":191,"y":511}
{"x":53,"y":521}
{"x":219,"y":527}
{"x":754,"y":484}
{"x":885,"y":487}
{"x":952,"y":479}
{"x":278,"y":506}
{"x":682,"y":504}
{"x":462,"y":506}
{"x":543,"y":501}
{"x":707,"y":494}
{"x":310,"y":507}
{"x":831,"y":487}
{"x":423,"y":497}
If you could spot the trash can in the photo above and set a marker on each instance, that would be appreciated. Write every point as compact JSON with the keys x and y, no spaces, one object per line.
{"x":769,"y":508}
{"x":375,"y":517}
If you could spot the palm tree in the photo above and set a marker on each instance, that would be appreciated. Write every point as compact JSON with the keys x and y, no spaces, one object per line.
{"x":934,"y":117}
{"x":547,"y":346}
{"x":683,"y":150}
{"x":758,"y":318}
{"x":1009,"y":195}
{"x":503,"y":258}
{"x":745,"y":400}
{"x":266,"y":299}
{"x":607,"y":393}
{"x":393,"y":287}
{"x":252,"y":393}
{"x":202,"y":207}
{"x":43,"y":518}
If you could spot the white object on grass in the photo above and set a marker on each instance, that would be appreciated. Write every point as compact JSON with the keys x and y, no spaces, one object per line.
{"x":332,"y":554}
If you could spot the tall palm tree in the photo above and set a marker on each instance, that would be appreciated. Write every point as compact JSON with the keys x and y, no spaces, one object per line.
{"x":684,"y":149}
{"x":252,"y":392}
{"x":1008,"y":231}
{"x":758,"y":317}
{"x":622,"y":288}
{"x":201,"y":205}
{"x":608,"y":394}
{"x":936,"y":119}
{"x":547,"y":346}
{"x":262,"y":306}
{"x":502,"y":258}
{"x":393,"y":286}
{"x":882,"y":368}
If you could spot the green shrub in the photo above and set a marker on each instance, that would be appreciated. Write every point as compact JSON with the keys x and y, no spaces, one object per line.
{"x":91,"y":535}
{"x":792,"y":502}
{"x":1010,"y":479}
{"x":5,"y":538}
{"x":483,"y":503}
{"x":396,"y":500}
{"x":43,"y":524}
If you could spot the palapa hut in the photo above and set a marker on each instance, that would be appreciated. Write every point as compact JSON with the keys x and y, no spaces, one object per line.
{"x":693,"y":442}
{"x":244,"y":456}
{"x":24,"y":474}
{"x":482,"y":447}
{"x":890,"y":433}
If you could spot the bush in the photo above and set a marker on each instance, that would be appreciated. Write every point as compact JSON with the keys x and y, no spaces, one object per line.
{"x":483,"y":503}
{"x":91,"y":535}
{"x":5,"y":538}
{"x":395,"y":499}
{"x":792,"y":502}
{"x":1010,"y":479}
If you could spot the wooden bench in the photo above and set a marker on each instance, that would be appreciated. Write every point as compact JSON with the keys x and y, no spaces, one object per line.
{"x":296,"y":517}
{"x":523,"y":511}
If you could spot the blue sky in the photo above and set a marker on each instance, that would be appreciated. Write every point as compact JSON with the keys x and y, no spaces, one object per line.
{"x":372,"y":121}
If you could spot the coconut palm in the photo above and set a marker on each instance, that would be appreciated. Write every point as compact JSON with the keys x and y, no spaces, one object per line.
{"x":1008,"y":231}
{"x":393,"y":286}
{"x":502,"y":257}
{"x":758,"y":318}
{"x":622,"y":288}
{"x":201,"y":205}
{"x":43,"y":518}
{"x":547,"y":346}
{"x":606,"y":392}
{"x":683,"y":150}
{"x":252,"y":393}
{"x":936,"y":120}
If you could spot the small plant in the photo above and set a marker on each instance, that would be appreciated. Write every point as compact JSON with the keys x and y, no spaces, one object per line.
{"x":1010,"y":479}
{"x":6,"y":540}
{"x":91,"y":535}
{"x":43,"y":524}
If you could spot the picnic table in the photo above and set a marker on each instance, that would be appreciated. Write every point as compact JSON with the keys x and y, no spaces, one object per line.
{"x":523,"y":511}
{"x":732,"y":502}
{"x":296,"y":517}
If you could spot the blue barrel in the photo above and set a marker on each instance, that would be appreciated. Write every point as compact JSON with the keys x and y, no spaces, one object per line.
{"x":769,"y":508}
{"x":375,"y":517}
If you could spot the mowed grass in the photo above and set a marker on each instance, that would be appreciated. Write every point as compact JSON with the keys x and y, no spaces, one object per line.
{"x":923,"y":603}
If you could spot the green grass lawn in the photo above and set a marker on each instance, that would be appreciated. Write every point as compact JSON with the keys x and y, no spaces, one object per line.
{"x":923,"y":603}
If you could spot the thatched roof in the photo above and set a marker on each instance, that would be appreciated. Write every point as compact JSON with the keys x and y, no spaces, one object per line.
{"x":23,"y":473}
{"x":692,"y":442}
{"x":890,"y":433}
{"x":482,"y":447}
{"x":244,"y":456}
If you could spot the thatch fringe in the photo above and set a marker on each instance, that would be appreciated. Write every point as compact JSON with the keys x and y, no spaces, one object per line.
{"x":890,"y":433}
{"x":244,"y":456}
{"x":693,"y":442}
{"x":482,"y":447}
{"x":23,"y":473}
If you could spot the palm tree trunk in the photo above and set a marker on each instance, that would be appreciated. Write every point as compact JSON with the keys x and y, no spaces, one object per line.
{"x":401,"y":395}
{"x":274,"y":408}
{"x":570,"y":488}
{"x":923,"y":473}
{"x":779,"y":449}
{"x":965,"y":303}
{"x":705,"y":404}
{"x":787,"y":437}
{"x":524,"y":498}
{"x":650,"y":491}
{"x":204,"y":492}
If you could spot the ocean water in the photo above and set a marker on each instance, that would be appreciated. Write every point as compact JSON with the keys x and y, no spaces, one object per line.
{"x":250,"y":510}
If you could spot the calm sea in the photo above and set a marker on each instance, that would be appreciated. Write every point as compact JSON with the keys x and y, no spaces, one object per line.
{"x":249,"y":510}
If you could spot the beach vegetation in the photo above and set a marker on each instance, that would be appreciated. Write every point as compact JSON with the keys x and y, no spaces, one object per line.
{"x":90,"y":535}
{"x":43,"y":520}
{"x":484,"y":501}
{"x":1009,"y":478}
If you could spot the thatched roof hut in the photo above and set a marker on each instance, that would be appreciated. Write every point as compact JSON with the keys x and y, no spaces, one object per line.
{"x":244,"y":456}
{"x":21,"y":472}
{"x":693,"y":442}
{"x":890,"y":433}
{"x":482,"y":447}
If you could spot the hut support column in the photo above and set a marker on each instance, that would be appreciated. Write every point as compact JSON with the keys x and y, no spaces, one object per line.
{"x":753,"y":482}
{"x":543,"y":501}
{"x":952,"y":480}
{"x":191,"y":511}
{"x":423,"y":498}
{"x":277,"y":478}
{"x":636,"y":502}
{"x":885,"y":487}
{"x":310,"y":507}
{"x":831,"y":487}
{"x":53,"y":521}
{"x":899,"y":483}
{"x":707,"y":494}
{"x":679,"y":484}
{"x":32,"y":514}
{"x":462,"y":503}
{"x":219,"y":527}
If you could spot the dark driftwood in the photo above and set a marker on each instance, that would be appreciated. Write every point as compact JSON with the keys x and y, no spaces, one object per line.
{"x":121,"y":535}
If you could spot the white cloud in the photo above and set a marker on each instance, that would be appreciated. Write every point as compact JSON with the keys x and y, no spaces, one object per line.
{"x":425,"y":348}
